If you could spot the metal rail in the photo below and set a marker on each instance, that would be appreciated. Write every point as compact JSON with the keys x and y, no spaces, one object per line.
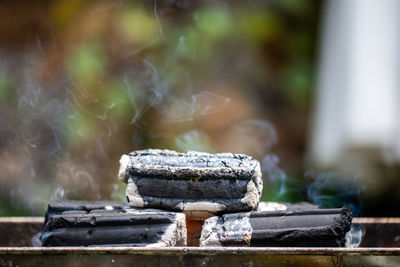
{"x":383,"y":234}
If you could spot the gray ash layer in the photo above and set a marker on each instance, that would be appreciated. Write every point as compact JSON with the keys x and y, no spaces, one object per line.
{"x":170,"y":164}
{"x":191,"y":181}
{"x":133,"y":228}
{"x":275,"y":206}
{"x":299,"y":228}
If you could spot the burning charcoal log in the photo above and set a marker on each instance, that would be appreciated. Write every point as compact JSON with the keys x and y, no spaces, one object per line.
{"x":134,"y":228}
{"x":301,"y":228}
{"x":71,"y":206}
{"x":195,"y":224}
{"x":195,"y":182}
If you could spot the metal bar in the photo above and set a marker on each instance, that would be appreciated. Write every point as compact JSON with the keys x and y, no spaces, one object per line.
{"x":16,"y":232}
{"x":199,"y":251}
{"x":366,"y":220}
{"x":361,"y":220}
{"x":21,"y":220}
{"x":196,"y":256}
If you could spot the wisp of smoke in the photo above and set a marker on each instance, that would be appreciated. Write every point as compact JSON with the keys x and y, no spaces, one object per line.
{"x":261,"y":136}
{"x":207,"y":103}
{"x":201,"y":104}
{"x":275,"y":174}
{"x":355,"y":236}
{"x":283,"y":187}
{"x":58,"y":194}
{"x":334,"y":190}
{"x":193,"y":140}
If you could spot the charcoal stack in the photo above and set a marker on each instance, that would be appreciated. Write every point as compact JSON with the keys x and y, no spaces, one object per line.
{"x":194,"y":198}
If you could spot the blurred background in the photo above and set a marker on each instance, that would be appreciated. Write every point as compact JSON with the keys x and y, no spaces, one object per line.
{"x":309,"y":88}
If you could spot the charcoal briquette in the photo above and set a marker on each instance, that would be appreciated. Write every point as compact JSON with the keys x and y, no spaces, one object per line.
{"x":133,"y":228}
{"x":282,"y":228}
{"x":191,"y":182}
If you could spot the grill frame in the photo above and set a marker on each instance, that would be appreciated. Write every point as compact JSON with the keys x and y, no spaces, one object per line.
{"x":383,"y":233}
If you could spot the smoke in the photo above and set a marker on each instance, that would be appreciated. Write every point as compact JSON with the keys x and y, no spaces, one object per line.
{"x":354,"y":236}
{"x":279,"y":186}
{"x":207,"y":103}
{"x":275,"y":175}
{"x":327,"y":190}
{"x":201,"y":104}
{"x":58,"y":134}
{"x":260,"y":136}
{"x":35,"y":155}
{"x":335,"y":190}
{"x":58,"y":194}
{"x":193,"y":140}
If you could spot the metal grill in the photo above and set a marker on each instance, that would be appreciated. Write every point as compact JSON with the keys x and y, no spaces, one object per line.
{"x":380,"y":247}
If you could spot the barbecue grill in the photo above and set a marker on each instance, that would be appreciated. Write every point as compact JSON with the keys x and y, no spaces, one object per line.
{"x":380,"y":246}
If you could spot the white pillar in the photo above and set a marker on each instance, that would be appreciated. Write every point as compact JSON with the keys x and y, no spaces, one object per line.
{"x":358,"y":79}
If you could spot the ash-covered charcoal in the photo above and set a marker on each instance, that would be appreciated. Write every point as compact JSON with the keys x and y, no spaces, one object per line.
{"x":298,"y":206}
{"x":195,"y":181}
{"x":271,"y":206}
{"x":298,"y":228}
{"x":274,"y":206}
{"x":73,"y":206}
{"x":134,"y":228}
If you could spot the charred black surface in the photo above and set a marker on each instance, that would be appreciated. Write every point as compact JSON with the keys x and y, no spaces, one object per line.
{"x":302,"y":228}
{"x":290,"y":228}
{"x":71,"y":206}
{"x":105,"y":229}
{"x":112,"y":235}
{"x":192,"y":189}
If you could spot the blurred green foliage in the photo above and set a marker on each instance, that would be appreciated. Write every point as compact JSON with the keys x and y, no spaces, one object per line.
{"x":86,"y":63}
{"x":137,"y":26}
{"x":261,"y":25}
{"x":80,"y":128}
{"x":215,"y":23}
{"x":6,"y":88}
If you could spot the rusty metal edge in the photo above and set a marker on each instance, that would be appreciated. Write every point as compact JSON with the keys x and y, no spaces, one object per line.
{"x":21,"y":219}
{"x":176,"y":251}
{"x":360,"y":220}
{"x":366,"y":220}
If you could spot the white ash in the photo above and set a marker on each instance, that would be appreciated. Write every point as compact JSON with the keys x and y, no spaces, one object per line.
{"x":132,"y":192}
{"x":254,"y":190}
{"x":202,"y":206}
{"x":210,"y":233}
{"x":125,"y":163}
{"x":270,"y":206}
{"x":252,"y":195}
{"x":234,"y":226}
